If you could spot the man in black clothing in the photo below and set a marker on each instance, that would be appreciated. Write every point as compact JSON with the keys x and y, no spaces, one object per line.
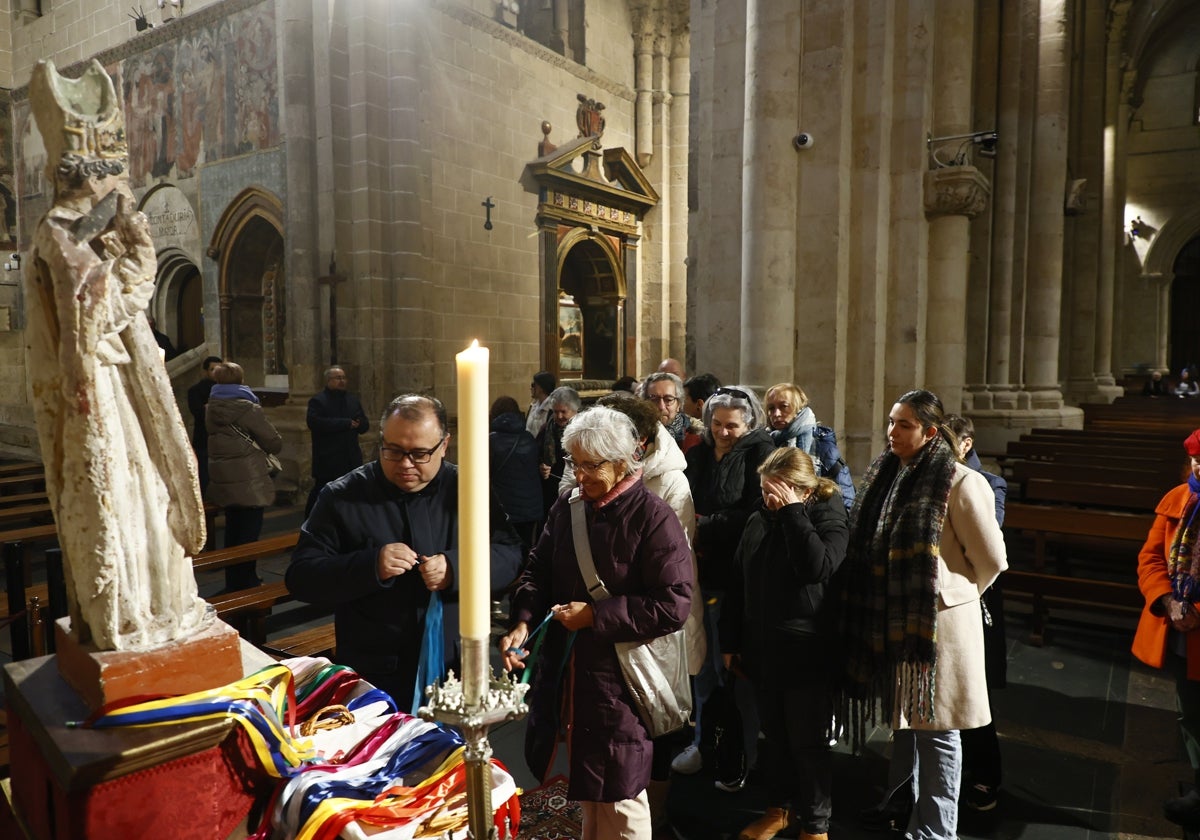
{"x":197,"y":399}
{"x":336,"y":419}
{"x":382,"y":537}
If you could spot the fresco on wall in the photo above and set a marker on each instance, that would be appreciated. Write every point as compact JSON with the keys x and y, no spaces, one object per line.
{"x":210,"y":94}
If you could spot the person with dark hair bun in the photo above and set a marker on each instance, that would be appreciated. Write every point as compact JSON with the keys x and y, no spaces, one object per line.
{"x":924,"y":545}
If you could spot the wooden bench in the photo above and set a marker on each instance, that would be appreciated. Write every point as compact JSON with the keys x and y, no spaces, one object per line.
{"x":9,"y":482}
{"x":32,"y":514}
{"x":250,"y":607}
{"x":1140,"y":496}
{"x":315,"y":641}
{"x":1124,"y":473}
{"x":1118,"y":533}
{"x":18,"y":467}
{"x":220,"y":558}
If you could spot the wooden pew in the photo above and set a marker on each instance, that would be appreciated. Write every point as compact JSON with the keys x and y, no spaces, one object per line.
{"x":248,"y":609}
{"x":1116,"y":533}
{"x":315,"y":641}
{"x":18,"y":467}
{"x":28,"y":481}
{"x":1091,"y":471}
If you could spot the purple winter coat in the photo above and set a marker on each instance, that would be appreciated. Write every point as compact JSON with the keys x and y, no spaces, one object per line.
{"x":642,"y":556}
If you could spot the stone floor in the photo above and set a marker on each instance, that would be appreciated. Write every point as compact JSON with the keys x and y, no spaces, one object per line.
{"x":1090,"y":743}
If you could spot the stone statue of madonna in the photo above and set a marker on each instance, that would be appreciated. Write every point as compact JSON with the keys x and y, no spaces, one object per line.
{"x":120,"y":474}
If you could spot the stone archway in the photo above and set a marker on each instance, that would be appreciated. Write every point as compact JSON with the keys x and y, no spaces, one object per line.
{"x":591,"y":297}
{"x":178,"y":304}
{"x":248,"y":246}
{"x":1185,"y":302}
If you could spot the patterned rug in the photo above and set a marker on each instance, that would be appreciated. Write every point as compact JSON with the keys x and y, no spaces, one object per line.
{"x":547,"y":814}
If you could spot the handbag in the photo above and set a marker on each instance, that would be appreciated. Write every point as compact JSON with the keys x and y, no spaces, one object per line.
{"x":655,"y":671}
{"x":274,"y":465}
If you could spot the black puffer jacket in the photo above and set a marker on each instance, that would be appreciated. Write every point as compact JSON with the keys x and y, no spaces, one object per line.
{"x":237,"y":470}
{"x":516,"y":480}
{"x":782,"y":574}
{"x":725,"y":492}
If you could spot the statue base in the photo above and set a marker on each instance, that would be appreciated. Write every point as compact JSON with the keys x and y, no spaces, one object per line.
{"x":208,"y":658}
{"x":74,"y":783}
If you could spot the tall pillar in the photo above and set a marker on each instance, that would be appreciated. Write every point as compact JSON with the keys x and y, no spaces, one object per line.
{"x":676,"y":187}
{"x":715,"y":292}
{"x":1045,"y":262}
{"x":953,"y":195}
{"x":769,"y":190}
{"x":1005,"y":192}
{"x":1084,"y":226}
{"x":1112,"y":222}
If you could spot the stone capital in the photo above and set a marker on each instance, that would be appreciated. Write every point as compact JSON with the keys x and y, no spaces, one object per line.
{"x":956,"y":191}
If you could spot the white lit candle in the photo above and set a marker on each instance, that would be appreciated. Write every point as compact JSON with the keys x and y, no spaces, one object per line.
{"x":474,"y":510}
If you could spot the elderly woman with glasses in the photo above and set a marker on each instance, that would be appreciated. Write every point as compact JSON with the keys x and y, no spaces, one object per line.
{"x":642,"y":556}
{"x":723,"y":473}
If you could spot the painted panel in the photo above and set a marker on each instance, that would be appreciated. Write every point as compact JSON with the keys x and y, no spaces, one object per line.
{"x":209,"y":95}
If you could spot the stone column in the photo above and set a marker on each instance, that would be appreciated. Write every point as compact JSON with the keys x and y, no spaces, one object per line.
{"x":715,"y":294}
{"x":953,"y":196}
{"x":1084,"y":224}
{"x":1045,"y":261}
{"x":769,"y":192}
{"x":1009,"y":198}
{"x":643,"y":74}
{"x":676,"y":188}
{"x":1112,"y":222}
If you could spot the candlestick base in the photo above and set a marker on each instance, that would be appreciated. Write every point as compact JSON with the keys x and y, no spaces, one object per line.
{"x":472,"y":707}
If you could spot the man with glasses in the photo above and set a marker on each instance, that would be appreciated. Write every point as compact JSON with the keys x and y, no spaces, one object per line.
{"x":385,"y":535}
{"x":335,"y":419}
{"x":665,"y":390}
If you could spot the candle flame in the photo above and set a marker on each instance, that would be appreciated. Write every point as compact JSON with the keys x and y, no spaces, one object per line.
{"x":474,"y":344}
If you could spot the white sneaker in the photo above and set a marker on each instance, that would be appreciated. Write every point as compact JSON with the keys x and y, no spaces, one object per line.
{"x":689,"y":761}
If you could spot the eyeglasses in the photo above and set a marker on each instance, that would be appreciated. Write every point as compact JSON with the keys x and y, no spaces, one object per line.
{"x":417,"y":456}
{"x":665,"y":400}
{"x":733,"y":392}
{"x":592,"y":467}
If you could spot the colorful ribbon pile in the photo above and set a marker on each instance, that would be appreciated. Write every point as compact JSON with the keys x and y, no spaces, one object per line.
{"x":406,"y":776}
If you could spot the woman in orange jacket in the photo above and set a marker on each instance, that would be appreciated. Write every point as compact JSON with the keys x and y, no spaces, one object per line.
{"x":1169,"y":578}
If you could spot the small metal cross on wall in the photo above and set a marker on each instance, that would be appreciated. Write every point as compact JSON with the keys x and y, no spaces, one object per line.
{"x":487,"y":205}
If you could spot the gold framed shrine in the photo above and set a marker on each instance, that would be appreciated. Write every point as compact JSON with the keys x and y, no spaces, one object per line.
{"x":591,"y":202}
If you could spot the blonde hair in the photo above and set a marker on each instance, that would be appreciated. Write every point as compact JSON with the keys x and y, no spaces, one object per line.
{"x":795,"y":467}
{"x":228,"y":373}
{"x":797,"y":400}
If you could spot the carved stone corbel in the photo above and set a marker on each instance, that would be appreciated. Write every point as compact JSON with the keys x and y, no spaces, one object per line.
{"x":956,"y":191}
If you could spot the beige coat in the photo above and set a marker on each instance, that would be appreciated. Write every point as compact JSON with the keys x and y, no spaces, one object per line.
{"x":972,"y":557}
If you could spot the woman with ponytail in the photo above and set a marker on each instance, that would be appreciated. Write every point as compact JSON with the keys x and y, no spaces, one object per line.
{"x":1169,"y":578}
{"x":924,"y":544}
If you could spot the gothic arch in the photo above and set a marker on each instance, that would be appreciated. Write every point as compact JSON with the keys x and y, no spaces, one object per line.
{"x":248,"y":246}
{"x":178,"y":304}
{"x":591,"y":305}
{"x":1164,"y":248}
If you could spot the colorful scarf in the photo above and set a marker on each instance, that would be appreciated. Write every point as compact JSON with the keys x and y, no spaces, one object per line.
{"x":678,"y":427}
{"x":1183,"y":560}
{"x":889,"y":620}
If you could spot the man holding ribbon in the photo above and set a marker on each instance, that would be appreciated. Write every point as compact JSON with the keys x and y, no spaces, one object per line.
{"x":383,"y":537}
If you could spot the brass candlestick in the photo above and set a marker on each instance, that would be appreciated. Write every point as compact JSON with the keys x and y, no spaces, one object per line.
{"x":473,"y":706}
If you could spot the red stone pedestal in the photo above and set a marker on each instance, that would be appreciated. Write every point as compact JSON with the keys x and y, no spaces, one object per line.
{"x":209,"y":658}
{"x":187,"y":781}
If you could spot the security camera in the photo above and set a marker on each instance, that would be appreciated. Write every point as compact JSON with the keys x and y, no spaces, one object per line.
{"x":802,"y":141}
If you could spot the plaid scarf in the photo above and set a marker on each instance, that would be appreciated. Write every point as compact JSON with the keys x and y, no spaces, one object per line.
{"x":889,"y":620}
{"x":1183,"y":560}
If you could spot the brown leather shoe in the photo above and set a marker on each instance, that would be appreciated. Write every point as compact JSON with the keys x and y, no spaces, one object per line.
{"x":766,"y":826}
